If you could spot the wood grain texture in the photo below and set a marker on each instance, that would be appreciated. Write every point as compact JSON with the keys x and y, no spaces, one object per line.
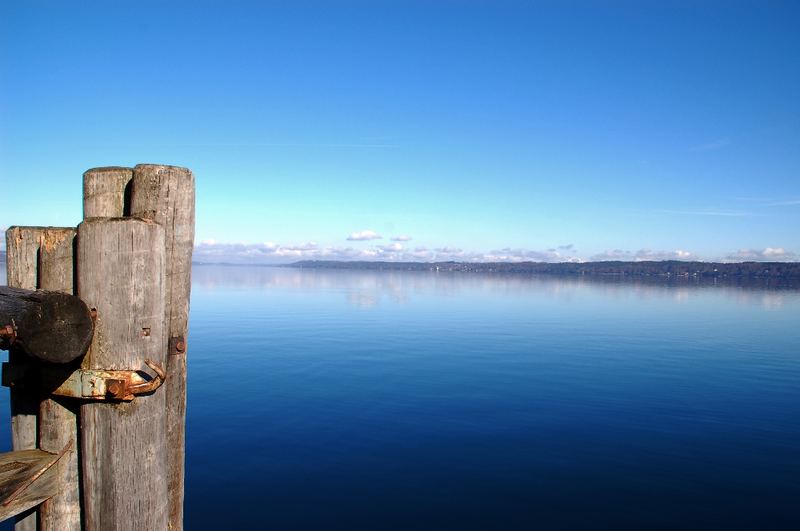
{"x":58,"y":417}
{"x":16,"y":470}
{"x":22,"y":256}
{"x":22,"y":249}
{"x":56,"y":259}
{"x":105,"y":191}
{"x":121,"y":273}
{"x":166,"y":195}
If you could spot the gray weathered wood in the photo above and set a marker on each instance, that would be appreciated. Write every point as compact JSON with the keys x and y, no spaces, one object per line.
{"x":22,"y":256}
{"x":106,"y":192}
{"x":121,"y":272}
{"x":22,"y":249}
{"x":27,"y":478}
{"x":56,"y":259}
{"x":166,"y":195}
{"x":58,"y":424}
{"x":49,"y":325}
{"x":58,"y":420}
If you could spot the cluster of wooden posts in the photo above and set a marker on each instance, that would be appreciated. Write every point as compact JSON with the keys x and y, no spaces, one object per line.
{"x":98,"y":441}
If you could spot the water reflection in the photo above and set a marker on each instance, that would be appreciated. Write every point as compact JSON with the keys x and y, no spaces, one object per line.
{"x":366,"y":289}
{"x":494,"y":400}
{"x":527,"y":399}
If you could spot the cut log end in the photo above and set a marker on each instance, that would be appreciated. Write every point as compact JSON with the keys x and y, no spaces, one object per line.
{"x":49,"y":326}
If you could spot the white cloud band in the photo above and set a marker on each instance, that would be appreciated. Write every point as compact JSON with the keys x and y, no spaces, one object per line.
{"x":364,"y":235}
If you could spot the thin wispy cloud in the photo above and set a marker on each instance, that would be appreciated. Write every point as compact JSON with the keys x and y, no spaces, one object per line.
{"x":643,"y":255}
{"x":401,"y":238}
{"x":391,"y":248}
{"x":364,"y":235}
{"x":710,"y":212}
{"x":713,"y":145}
{"x":751,"y":199}
{"x":324,"y":145}
{"x":788,"y":202}
{"x":612,"y":254}
{"x":768,"y":254}
{"x":769,"y":201}
{"x":209,"y":251}
{"x":527,"y":255}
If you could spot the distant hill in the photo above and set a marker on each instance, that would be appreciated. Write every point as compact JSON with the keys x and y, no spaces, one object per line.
{"x":671,"y":268}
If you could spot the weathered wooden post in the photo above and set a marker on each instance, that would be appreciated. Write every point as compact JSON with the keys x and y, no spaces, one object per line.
{"x":58,"y":417}
{"x":165,"y":194}
{"x":161,"y":201}
{"x":22,"y":251}
{"x":42,"y":258}
{"x":106,"y":192}
{"x":130,"y":261}
{"x":121,"y":276}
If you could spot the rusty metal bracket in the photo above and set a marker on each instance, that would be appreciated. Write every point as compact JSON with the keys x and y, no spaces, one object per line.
{"x":87,"y":384}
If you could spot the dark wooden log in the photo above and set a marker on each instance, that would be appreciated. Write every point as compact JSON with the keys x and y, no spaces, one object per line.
{"x":47,"y":325}
{"x":123,"y":445}
{"x":165,"y":194}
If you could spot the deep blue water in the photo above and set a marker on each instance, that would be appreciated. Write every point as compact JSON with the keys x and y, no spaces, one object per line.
{"x":375,"y":400}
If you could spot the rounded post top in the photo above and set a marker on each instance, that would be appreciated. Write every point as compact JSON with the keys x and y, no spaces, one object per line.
{"x":142,"y":166}
{"x":107,"y":169}
{"x":156,"y":167}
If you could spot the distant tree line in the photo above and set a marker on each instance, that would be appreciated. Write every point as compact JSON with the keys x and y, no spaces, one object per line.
{"x":669,"y":268}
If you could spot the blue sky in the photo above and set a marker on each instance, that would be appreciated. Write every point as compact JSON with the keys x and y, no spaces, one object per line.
{"x":481,"y":130}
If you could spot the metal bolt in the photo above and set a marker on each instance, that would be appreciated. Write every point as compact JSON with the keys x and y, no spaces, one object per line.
{"x":180,"y":346}
{"x":8,"y":332}
{"x":114,"y":387}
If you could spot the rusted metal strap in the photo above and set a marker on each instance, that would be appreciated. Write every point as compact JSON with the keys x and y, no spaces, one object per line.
{"x":87,"y":384}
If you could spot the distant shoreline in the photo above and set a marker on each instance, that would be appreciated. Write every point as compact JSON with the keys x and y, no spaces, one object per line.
{"x":664,"y":269}
{"x":661,"y":269}
{"x":644,"y":269}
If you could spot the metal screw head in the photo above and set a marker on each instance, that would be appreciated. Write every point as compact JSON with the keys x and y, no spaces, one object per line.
{"x":9,"y":333}
{"x":115,"y":388}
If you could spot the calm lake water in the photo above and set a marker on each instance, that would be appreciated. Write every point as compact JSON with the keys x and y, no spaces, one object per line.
{"x":376,"y":400}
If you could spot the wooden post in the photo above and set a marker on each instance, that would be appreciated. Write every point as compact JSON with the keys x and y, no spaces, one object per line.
{"x":165,"y":194}
{"x":22,"y":249}
{"x":106,"y":192}
{"x":58,"y":420}
{"x":130,"y":261}
{"x":121,"y":271}
{"x":43,"y":258}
